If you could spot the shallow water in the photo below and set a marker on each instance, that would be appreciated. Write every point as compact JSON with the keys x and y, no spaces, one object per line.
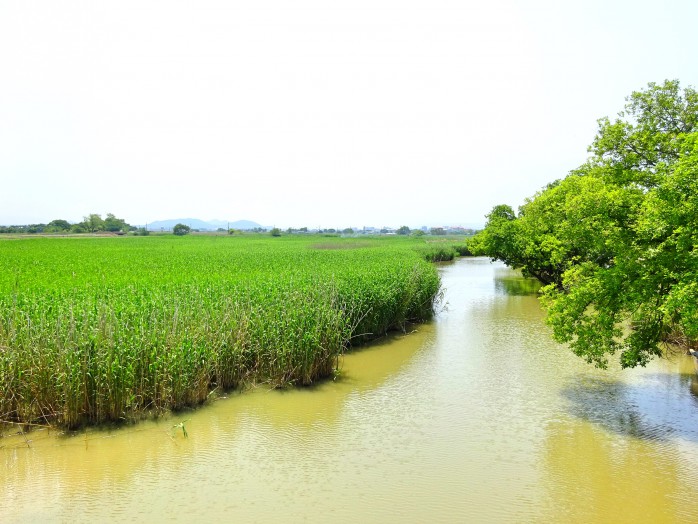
{"x":476,"y":417}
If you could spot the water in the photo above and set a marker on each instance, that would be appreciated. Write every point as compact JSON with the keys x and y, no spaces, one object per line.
{"x":476,"y":417}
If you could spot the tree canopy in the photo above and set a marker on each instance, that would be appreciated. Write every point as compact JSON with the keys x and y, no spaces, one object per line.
{"x":58,"y":225}
{"x":94,"y":222}
{"x":91,"y":223}
{"x":181,"y":229}
{"x":615,"y":240}
{"x":113,"y":224}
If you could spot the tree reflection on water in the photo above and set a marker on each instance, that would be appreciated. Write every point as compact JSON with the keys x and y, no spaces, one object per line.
{"x":509,"y":282}
{"x":661,"y":406}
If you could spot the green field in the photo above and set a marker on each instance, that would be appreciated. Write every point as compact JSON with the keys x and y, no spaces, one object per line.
{"x":109,"y":329}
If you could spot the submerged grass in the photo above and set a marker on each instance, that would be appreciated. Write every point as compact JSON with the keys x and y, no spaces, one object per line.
{"x":97,"y":330}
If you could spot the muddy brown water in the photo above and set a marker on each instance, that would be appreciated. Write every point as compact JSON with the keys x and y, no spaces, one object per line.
{"x":476,"y":417}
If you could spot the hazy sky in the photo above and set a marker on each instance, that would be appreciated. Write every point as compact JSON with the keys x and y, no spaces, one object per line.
{"x":315,"y":113}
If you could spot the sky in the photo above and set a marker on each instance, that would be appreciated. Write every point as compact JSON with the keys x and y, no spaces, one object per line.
{"x":315,"y":113}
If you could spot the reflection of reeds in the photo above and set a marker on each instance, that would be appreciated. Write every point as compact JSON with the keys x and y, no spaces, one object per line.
{"x":93,"y":330}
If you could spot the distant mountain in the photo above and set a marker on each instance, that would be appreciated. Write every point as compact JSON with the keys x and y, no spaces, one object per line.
{"x":238,"y":224}
{"x":195,"y":223}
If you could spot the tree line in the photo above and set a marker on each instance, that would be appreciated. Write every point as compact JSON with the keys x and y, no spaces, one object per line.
{"x":92,"y":223}
{"x":615,"y":241}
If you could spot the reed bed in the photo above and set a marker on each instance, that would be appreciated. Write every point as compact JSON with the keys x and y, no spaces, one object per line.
{"x":109,"y":329}
{"x":443,"y":250}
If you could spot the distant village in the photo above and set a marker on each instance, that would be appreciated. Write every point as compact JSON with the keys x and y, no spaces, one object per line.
{"x":367,"y":230}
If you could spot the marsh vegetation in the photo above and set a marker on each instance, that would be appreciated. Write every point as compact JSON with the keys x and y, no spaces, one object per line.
{"x":109,"y":329}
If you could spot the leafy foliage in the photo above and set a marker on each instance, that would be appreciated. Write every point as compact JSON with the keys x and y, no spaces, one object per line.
{"x":113,"y":224}
{"x":615,"y":240}
{"x":181,"y":229}
{"x":92,"y":223}
{"x":58,"y":225}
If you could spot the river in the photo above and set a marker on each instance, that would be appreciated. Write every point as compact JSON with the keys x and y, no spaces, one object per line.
{"x":477,"y":416}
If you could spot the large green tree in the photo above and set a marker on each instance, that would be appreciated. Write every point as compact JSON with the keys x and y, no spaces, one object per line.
{"x":181,"y":229}
{"x":114,"y":224}
{"x":93,"y":222}
{"x":614,"y":241}
{"x":58,"y":225}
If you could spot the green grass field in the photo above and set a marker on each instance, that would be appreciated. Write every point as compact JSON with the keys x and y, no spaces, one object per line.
{"x":108,"y":329}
